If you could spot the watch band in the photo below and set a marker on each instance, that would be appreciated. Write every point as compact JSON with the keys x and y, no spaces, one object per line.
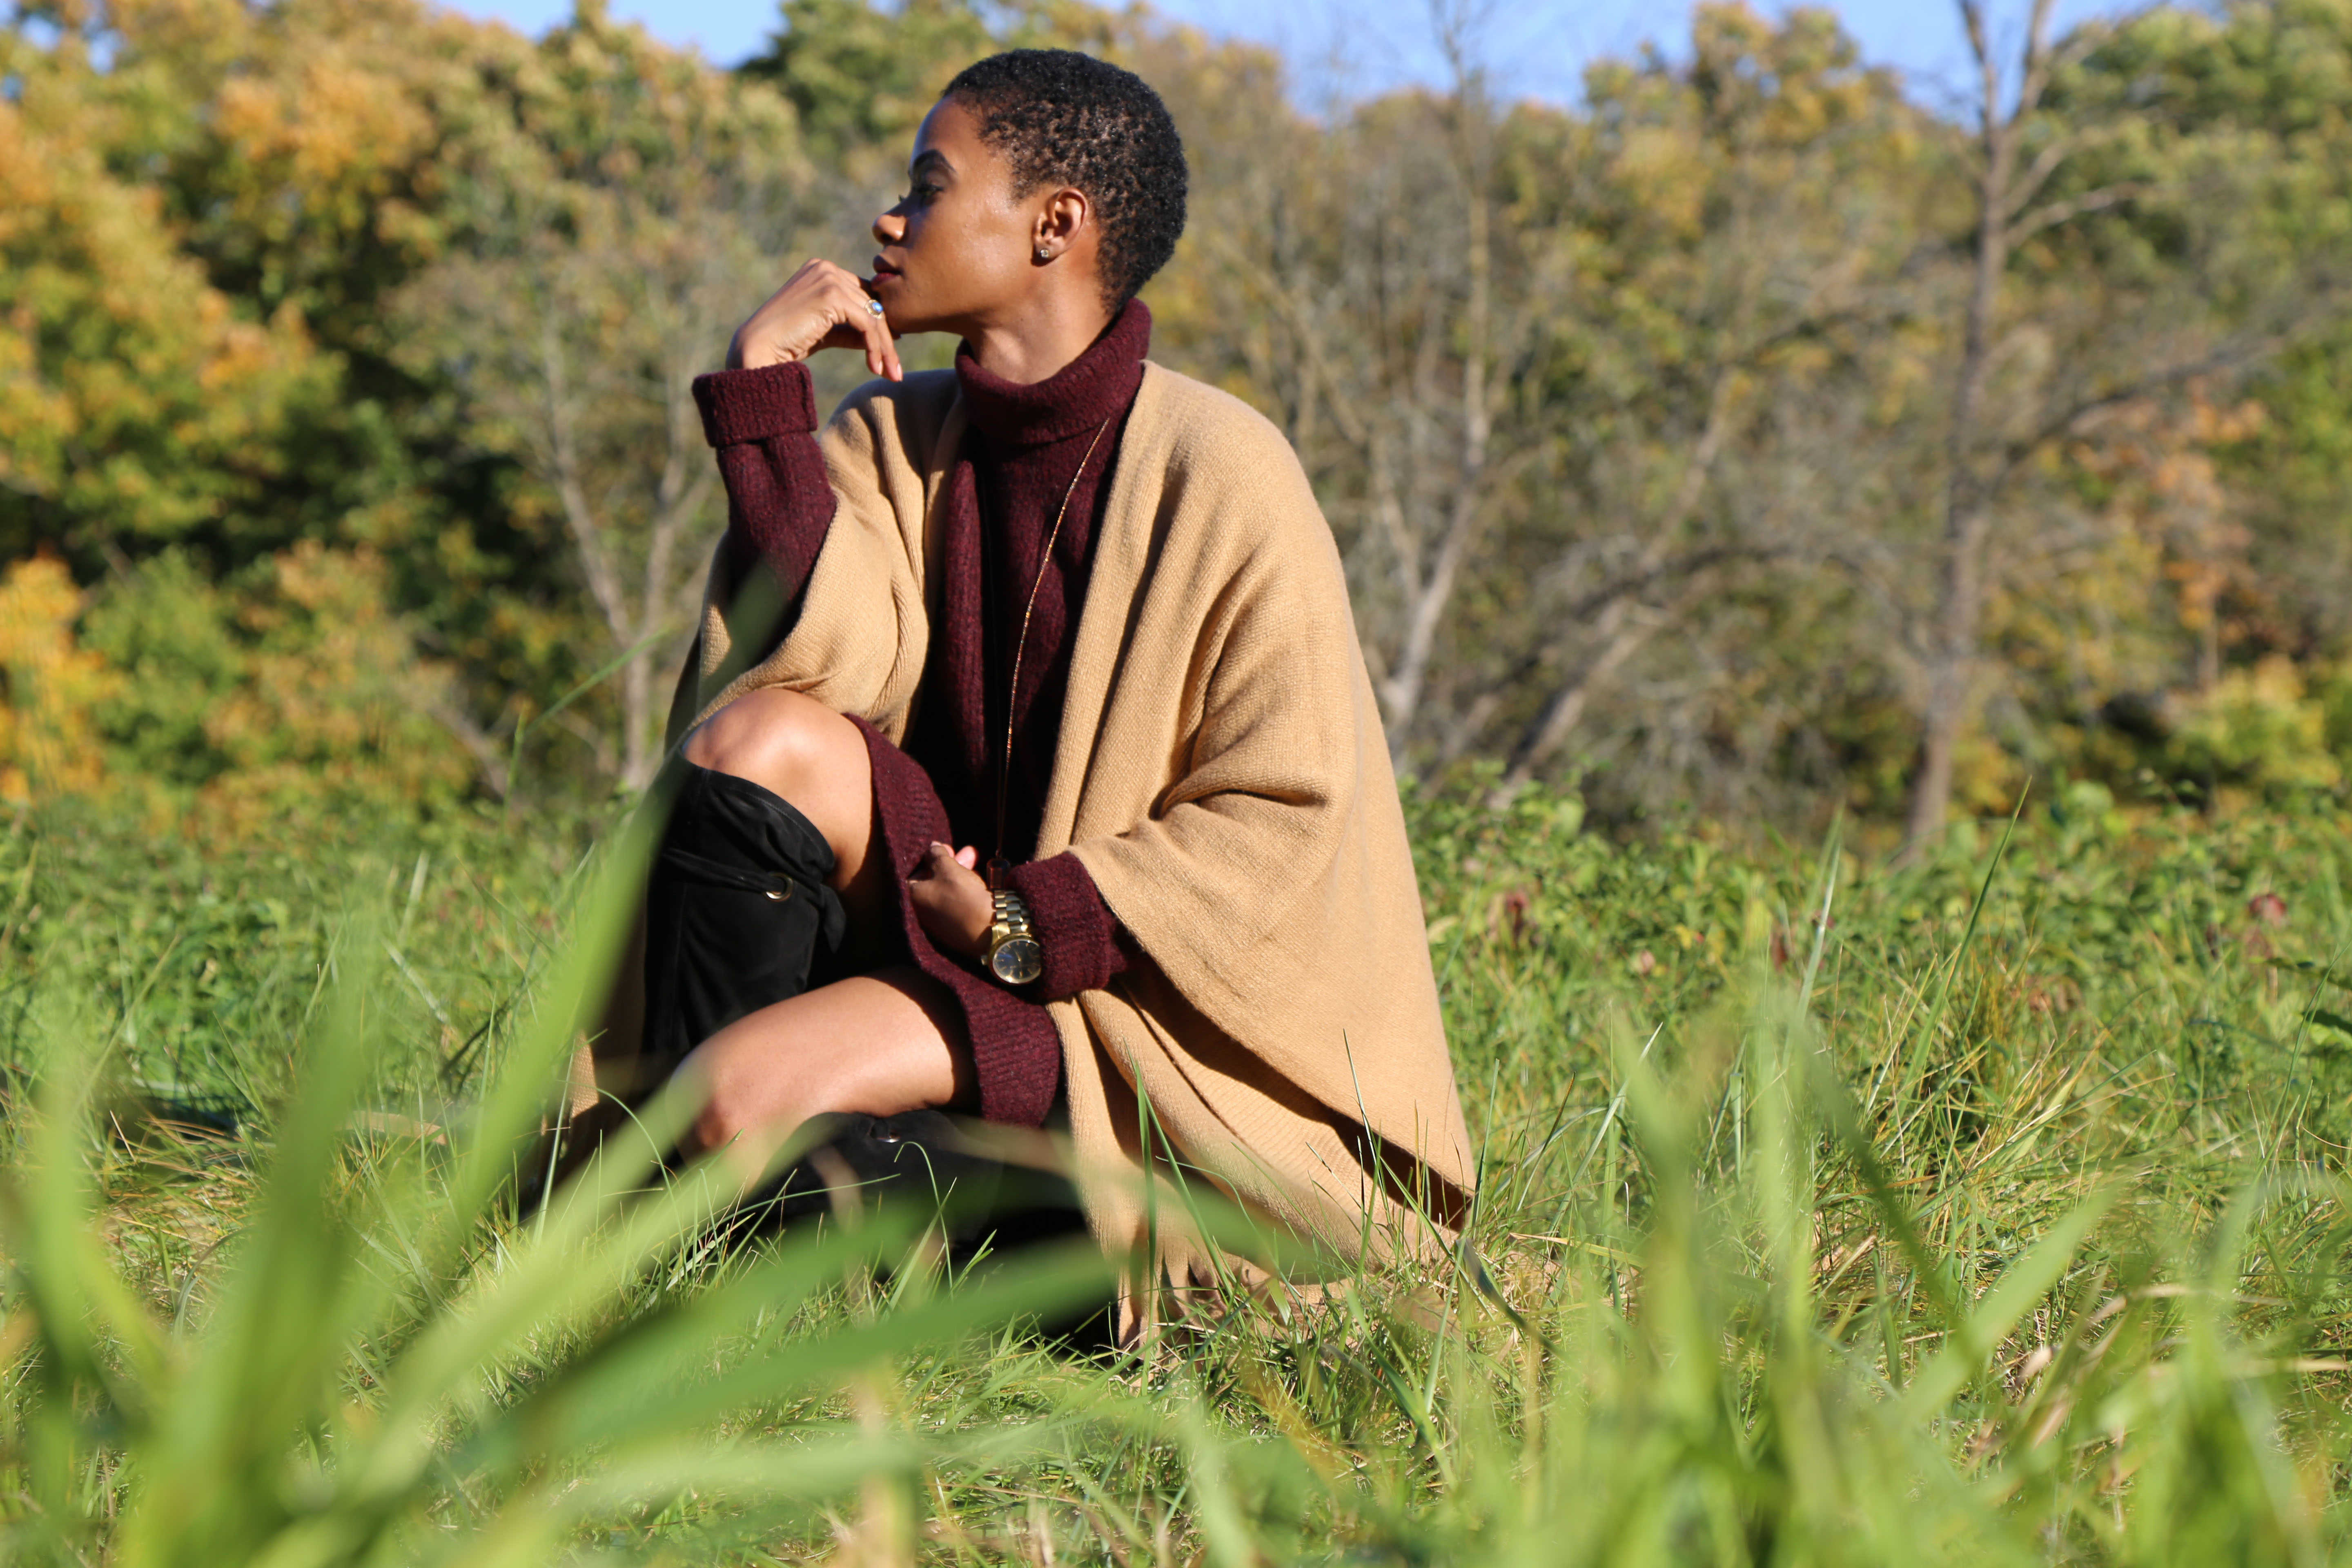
{"x":1013,"y":955}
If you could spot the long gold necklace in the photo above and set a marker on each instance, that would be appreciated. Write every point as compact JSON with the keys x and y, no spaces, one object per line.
{"x":997,"y":865}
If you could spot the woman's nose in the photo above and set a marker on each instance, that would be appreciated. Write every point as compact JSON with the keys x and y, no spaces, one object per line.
{"x":890,"y":227}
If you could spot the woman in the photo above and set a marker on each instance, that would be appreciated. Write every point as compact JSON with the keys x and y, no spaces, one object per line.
{"x":1027,"y":727}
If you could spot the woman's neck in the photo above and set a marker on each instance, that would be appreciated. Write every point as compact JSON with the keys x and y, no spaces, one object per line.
{"x":1042,"y":340}
{"x":1096,"y":386}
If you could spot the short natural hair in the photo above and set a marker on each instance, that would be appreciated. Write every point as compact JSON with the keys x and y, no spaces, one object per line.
{"x":1073,"y":119}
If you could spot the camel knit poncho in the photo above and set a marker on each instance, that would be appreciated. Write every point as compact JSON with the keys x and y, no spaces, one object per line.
{"x":1221,"y":774}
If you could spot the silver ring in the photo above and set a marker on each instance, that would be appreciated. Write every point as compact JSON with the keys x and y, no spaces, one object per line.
{"x":874,"y":306}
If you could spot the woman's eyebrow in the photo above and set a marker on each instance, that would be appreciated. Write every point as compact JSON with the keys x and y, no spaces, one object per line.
{"x":930,"y":158}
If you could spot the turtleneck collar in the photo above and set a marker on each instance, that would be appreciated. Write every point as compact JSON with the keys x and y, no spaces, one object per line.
{"x":1078,"y":398}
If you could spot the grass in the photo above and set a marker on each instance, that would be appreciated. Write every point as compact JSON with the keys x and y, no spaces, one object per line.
{"x":1990,"y":1209}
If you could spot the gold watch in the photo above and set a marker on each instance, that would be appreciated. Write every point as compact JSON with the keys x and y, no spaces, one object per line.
{"x":1012,"y":954}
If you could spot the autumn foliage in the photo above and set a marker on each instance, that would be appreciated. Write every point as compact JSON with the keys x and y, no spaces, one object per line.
{"x":1702,"y":445}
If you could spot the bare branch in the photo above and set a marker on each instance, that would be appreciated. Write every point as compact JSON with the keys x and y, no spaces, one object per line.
{"x":1622,"y":634}
{"x":1613,"y":601}
{"x":1972,"y":22}
{"x":488,"y":754}
{"x":2035,"y":78}
{"x":2046,"y":164}
{"x":2237,"y":355}
{"x":2072,"y":207}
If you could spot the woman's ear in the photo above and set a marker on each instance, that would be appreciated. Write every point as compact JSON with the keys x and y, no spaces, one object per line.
{"x":1066,"y":215}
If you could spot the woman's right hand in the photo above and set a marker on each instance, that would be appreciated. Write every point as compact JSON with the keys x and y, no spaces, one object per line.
{"x":822,"y":306}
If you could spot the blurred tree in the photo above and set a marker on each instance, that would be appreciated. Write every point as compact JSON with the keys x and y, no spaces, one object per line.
{"x":1545,"y":446}
{"x":624,"y":214}
{"x":862,"y":78}
{"x":289,"y":688}
{"x":138,"y":404}
{"x":2265,"y":84}
{"x":1713,"y":335}
{"x":2065,"y":318}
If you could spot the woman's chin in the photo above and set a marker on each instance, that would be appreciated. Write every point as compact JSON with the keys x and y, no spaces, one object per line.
{"x":906,"y":311}
{"x":906,"y":323}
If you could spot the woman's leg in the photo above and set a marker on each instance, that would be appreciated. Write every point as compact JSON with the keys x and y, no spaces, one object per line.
{"x":797,"y":748}
{"x":881,"y":1042}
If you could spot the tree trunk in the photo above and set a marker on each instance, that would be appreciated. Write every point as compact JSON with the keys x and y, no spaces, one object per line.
{"x":1950,"y":702}
{"x":1931,"y":787}
{"x":638,"y":721}
{"x":1403,"y":691}
{"x":1437,"y":592}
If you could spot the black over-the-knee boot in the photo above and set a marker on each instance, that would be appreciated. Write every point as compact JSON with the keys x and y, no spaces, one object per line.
{"x":738,"y":915}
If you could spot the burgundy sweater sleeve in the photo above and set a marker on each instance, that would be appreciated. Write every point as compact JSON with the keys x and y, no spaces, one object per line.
{"x":779,"y":503}
{"x":1075,"y":928}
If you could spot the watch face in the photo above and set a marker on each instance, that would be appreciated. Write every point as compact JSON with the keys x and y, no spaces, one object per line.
{"x":1018,"y":962}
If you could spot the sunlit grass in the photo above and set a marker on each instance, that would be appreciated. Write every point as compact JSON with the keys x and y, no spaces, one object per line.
{"x":1986,"y":1210}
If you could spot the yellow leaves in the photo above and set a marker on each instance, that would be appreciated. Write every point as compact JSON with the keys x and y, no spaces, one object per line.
{"x":292,"y":688}
{"x":126,"y":379}
{"x":2201,"y":586}
{"x":1666,"y":163}
{"x":2160,"y":467}
{"x":47,"y":747}
{"x":331,"y":123}
{"x":1787,"y":83}
{"x":1986,"y":780}
{"x":27,"y":179}
{"x":1728,"y":29}
{"x":2170,"y":451}
{"x":2214,"y":426}
{"x":2258,"y":728}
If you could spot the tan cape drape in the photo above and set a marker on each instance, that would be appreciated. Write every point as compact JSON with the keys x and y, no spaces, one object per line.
{"x":1223,"y":776}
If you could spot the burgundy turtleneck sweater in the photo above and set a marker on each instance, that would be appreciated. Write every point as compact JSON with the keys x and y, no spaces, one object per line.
{"x":1021,"y":453}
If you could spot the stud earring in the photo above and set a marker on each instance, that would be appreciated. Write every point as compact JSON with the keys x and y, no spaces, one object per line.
{"x":1044,"y":254}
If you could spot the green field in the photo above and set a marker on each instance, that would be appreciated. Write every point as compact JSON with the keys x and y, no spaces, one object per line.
{"x":1986,"y":1209}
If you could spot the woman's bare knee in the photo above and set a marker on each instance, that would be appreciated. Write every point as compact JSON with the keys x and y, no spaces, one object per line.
{"x":773,"y":738}
{"x":719,"y":1125}
{"x":798,"y":748}
{"x":743,"y":1110}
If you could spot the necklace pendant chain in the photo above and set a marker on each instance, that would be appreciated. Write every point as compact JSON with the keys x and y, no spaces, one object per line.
{"x":997,"y":865}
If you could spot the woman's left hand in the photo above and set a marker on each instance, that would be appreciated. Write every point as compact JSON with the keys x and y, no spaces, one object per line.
{"x":952,"y":902}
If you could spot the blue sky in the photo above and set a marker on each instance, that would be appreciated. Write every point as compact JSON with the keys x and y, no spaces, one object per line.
{"x":1539,"y":47}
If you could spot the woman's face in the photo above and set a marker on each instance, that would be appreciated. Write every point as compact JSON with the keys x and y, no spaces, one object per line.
{"x":957,"y":249}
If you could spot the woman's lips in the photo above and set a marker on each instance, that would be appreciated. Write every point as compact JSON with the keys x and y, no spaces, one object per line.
{"x":884,"y":272}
